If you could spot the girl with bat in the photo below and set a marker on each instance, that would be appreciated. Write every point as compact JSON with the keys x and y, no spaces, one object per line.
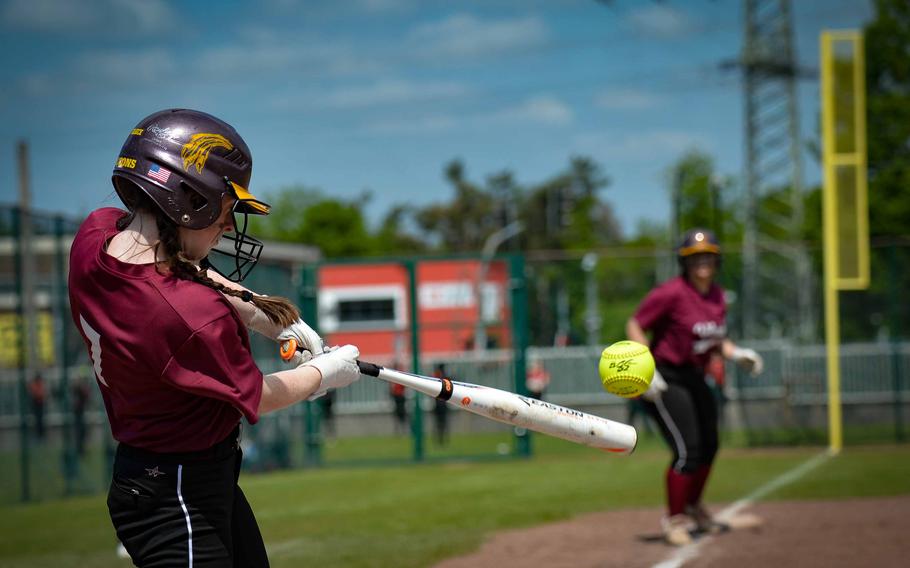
{"x":687,"y":320}
{"x":167,"y":336}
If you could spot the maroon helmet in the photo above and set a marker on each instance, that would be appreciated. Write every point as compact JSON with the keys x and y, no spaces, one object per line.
{"x":186,"y":161}
{"x":697,"y":241}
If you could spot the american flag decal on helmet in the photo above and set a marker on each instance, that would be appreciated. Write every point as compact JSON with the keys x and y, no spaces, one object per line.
{"x":159,"y":173}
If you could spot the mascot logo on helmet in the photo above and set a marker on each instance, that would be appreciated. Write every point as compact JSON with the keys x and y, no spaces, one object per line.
{"x":196,"y":151}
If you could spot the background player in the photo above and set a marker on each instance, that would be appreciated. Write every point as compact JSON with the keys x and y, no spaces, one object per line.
{"x":686,"y":317}
{"x":171,"y":353}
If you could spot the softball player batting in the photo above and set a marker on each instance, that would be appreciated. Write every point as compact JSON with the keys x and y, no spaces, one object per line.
{"x":168,"y":340}
{"x":686,"y":318}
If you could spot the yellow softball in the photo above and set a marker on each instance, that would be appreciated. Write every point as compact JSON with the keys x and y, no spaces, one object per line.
{"x":626,"y":369}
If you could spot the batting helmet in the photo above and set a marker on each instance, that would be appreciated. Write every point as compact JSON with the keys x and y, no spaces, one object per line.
{"x":186,"y":161}
{"x":697,"y":241}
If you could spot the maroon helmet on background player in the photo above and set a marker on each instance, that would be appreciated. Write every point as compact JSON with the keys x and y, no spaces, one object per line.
{"x":697,"y":241}
{"x":186,"y":161}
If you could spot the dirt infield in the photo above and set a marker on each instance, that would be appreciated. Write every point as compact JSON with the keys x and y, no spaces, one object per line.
{"x":853,"y":532}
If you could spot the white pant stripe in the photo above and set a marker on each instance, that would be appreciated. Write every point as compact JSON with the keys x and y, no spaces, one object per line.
{"x":677,"y":437}
{"x":186,"y":514}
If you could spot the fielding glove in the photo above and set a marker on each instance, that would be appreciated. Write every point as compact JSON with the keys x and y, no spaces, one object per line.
{"x":658,"y":385}
{"x":337,"y":367}
{"x":306,"y":342}
{"x":749,"y":360}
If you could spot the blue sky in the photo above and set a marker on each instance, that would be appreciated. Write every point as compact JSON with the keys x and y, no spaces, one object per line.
{"x":379,"y":94}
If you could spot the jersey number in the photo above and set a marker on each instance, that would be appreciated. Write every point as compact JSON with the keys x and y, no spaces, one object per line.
{"x":95,"y":339}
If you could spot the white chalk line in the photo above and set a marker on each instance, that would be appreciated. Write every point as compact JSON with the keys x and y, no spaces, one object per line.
{"x":690,"y":551}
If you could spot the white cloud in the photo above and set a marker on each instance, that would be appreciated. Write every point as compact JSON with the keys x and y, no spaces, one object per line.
{"x":417,"y":125}
{"x":380,"y":93}
{"x":138,"y":67}
{"x":393,"y":92}
{"x":660,"y":21}
{"x":342,"y":6}
{"x":537,"y":110}
{"x":463,"y":35}
{"x":110,"y":16}
{"x":627,"y":99}
{"x":37,"y":84}
{"x":377,"y":6}
{"x":646,"y":145}
{"x":45,"y":15}
{"x":312,"y":59}
{"x":103,"y":71}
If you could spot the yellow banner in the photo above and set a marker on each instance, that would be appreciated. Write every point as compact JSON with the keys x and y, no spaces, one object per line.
{"x":9,"y":339}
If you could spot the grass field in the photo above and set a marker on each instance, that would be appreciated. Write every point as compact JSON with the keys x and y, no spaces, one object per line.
{"x":415,"y":515}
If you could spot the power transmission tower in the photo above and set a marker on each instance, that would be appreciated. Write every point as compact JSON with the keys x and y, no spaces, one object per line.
{"x":777,"y":281}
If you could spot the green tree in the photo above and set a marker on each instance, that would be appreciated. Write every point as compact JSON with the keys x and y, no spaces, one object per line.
{"x":887,"y":50}
{"x":464,"y":223}
{"x":306,"y":216}
{"x":393,"y":237}
{"x":887,"y":42}
{"x":567,"y":211}
{"x":888,"y":120}
{"x":704,"y":197}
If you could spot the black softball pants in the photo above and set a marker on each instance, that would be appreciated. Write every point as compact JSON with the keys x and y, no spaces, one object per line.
{"x":687,"y":416}
{"x":184,"y":509}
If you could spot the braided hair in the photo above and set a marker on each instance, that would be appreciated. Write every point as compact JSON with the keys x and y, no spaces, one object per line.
{"x":280,"y":311}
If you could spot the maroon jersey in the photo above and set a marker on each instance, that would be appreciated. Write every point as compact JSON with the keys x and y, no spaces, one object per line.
{"x":686,"y":326}
{"x":172,"y":357}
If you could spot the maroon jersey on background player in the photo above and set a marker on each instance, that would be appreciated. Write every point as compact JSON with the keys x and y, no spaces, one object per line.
{"x":686,"y":325}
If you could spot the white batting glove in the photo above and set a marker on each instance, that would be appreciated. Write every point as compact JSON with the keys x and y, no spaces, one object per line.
{"x":748,"y":359}
{"x":337,"y":367}
{"x":658,"y":385}
{"x":306,"y":338}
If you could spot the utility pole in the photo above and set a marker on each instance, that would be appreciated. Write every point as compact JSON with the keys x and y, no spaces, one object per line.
{"x":486,"y":256}
{"x":777,"y":287}
{"x":592,"y":312}
{"x":29,"y":326}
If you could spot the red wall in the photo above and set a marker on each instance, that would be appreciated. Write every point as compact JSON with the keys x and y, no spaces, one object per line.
{"x":448,"y":310}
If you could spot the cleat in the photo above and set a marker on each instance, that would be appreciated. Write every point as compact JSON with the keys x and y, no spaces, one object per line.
{"x":704,"y":521}
{"x":677,"y":530}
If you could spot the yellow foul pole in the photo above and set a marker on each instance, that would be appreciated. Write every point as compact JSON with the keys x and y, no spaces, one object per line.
{"x":844,"y":196}
{"x":829,"y":229}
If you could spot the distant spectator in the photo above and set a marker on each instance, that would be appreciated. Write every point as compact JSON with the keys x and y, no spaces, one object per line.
{"x":441,"y":410}
{"x":37,"y":392}
{"x":326,"y":404}
{"x":538,"y":378}
{"x":80,"y":401}
{"x":400,"y":410}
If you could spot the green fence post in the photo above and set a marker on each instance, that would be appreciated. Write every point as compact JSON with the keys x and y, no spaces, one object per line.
{"x":309,"y":311}
{"x":70,"y":463}
{"x":897,"y":378}
{"x":20,"y":347}
{"x":518,"y":290}
{"x":417,"y":420}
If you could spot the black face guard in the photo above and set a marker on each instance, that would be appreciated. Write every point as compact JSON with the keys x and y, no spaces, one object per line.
{"x":236,"y":260}
{"x":686,"y":262}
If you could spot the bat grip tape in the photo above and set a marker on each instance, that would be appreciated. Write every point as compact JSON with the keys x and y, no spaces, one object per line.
{"x":370,"y":369}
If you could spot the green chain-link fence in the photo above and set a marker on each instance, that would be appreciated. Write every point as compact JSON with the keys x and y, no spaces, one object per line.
{"x":55,"y":441}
